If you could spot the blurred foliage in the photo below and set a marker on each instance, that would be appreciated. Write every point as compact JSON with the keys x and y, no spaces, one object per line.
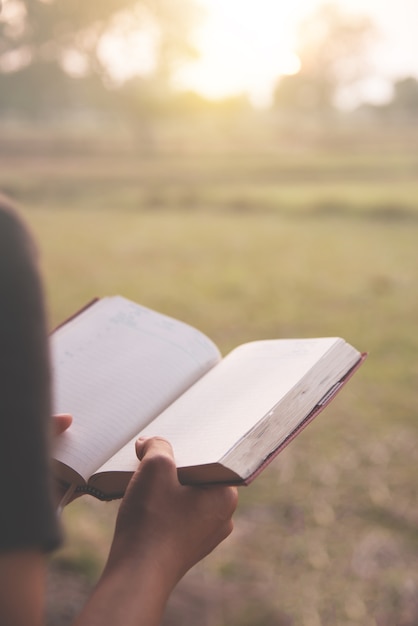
{"x":53,"y":67}
{"x":50,"y":52}
{"x":52,"y":64}
{"x":403,"y":107}
{"x":332,"y":50}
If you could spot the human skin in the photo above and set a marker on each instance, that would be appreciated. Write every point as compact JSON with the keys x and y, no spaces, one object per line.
{"x":162,"y":529}
{"x":23,"y":573}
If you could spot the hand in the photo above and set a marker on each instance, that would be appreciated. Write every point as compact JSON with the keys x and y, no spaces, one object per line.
{"x":62,"y":422}
{"x":168,"y":524}
{"x":163,"y":528}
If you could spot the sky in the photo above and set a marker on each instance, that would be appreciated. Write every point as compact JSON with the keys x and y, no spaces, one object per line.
{"x":245,"y":45}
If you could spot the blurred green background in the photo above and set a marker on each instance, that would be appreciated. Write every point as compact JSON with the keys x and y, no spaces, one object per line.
{"x":296,"y":219}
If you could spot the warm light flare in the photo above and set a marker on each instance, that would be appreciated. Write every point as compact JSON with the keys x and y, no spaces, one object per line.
{"x":245,"y":46}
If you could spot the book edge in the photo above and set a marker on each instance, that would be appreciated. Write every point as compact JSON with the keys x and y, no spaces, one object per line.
{"x":318,"y":408}
{"x":77,"y":313}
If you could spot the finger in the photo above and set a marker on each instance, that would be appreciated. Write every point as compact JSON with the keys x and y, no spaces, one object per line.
{"x":62,"y":422}
{"x":154,"y":446}
{"x":227,"y":497}
{"x":233,"y":498}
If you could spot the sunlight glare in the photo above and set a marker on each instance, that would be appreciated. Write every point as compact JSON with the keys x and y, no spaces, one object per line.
{"x":244,"y":45}
{"x":127,"y":49}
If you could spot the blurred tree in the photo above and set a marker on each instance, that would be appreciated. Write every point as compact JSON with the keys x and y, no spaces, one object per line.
{"x":332,"y":53}
{"x":404,"y":102}
{"x":46,"y":43}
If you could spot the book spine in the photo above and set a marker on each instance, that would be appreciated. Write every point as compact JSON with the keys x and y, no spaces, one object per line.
{"x":97,"y":493}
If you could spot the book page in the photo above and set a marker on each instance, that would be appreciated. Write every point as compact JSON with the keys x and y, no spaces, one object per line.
{"x":220,"y":408}
{"x":115,"y":367}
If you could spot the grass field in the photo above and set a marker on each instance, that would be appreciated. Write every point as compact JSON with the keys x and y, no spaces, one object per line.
{"x":286,"y":240}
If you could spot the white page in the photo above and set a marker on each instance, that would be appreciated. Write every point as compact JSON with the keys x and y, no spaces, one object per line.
{"x":115,"y":367}
{"x":206,"y":422}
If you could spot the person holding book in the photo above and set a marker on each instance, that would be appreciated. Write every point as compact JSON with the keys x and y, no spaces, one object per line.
{"x":162,"y":528}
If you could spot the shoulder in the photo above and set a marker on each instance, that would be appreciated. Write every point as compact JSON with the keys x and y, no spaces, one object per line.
{"x":16,"y":242}
{"x":11,"y":224}
{"x":9,"y":218}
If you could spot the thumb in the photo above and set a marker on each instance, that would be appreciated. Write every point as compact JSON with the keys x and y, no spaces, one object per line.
{"x":62,"y":422}
{"x":152,"y":447}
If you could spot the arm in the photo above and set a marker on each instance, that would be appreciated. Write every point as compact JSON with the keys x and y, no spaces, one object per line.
{"x":22,"y":589}
{"x":163,"y":529}
{"x":28,"y":526}
{"x":25,"y":412}
{"x":23,"y":575}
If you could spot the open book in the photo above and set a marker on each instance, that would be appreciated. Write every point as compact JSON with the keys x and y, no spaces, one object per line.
{"x":124,"y":371}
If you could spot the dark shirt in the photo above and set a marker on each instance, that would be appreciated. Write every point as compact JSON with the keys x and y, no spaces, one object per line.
{"x":27,"y":513}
